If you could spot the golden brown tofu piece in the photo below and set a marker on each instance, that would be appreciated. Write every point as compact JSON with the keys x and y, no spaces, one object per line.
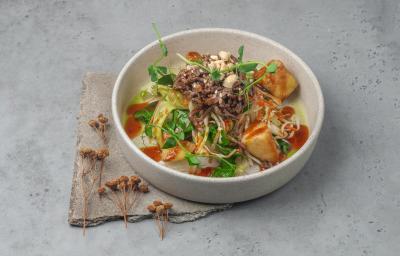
{"x":260,"y":143}
{"x":281,"y":83}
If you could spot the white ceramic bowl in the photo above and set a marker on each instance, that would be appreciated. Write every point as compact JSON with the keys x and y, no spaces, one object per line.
{"x":216,"y":190}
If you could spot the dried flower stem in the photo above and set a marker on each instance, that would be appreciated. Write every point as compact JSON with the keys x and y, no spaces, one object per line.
{"x":100,"y":125}
{"x":160,"y":212}
{"x":125,"y":192}
{"x":88,"y":176}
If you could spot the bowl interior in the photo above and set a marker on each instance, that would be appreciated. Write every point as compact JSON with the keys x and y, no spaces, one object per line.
{"x":134,"y":75}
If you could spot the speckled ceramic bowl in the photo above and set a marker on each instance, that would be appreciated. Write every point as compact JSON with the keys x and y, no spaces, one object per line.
{"x":216,"y":190}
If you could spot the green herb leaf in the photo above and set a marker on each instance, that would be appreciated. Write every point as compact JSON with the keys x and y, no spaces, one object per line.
{"x":144,"y":115}
{"x":161,"y":70}
{"x":152,"y":73}
{"x":166,"y":79}
{"x":148,"y":130}
{"x":247,"y":67}
{"x":271,"y":68}
{"x":164,"y":49}
{"x":192,"y":159}
{"x":212,"y":131}
{"x":225,"y":169}
{"x":169,"y":143}
{"x":240,"y":52}
{"x":181,"y":119}
{"x":215,"y":75}
{"x":224,"y":139}
{"x":180,"y":135}
{"x":283,"y":146}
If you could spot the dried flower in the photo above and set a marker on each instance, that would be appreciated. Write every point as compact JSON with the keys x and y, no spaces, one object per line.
{"x":100,"y":126}
{"x":88,"y":176}
{"x":94,"y":124}
{"x":87,"y":153}
{"x":160,"y":213}
{"x":123,"y":193}
{"x":102,"y":153}
{"x":168,"y":205}
{"x":157,"y":203}
{"x":112,"y":184}
{"x":160,"y":209}
{"x":123,"y":179}
{"x":135,"y":179}
{"x":102,"y":119}
{"x":144,"y":188}
{"x":151,"y":208}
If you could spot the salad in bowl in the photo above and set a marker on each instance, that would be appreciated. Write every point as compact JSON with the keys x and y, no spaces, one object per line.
{"x":217,"y":114}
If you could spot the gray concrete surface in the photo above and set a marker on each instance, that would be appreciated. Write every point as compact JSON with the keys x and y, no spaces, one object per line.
{"x":346,"y":201}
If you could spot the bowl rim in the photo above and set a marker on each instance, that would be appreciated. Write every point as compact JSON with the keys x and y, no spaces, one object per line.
{"x":310,"y":141}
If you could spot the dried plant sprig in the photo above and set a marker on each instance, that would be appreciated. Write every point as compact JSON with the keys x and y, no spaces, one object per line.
{"x":101,"y":155}
{"x":88,"y":176}
{"x":160,"y":213}
{"x":100,"y":125}
{"x":124,"y":193}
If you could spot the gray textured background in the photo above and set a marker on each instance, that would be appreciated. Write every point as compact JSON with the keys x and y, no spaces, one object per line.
{"x":346,"y":201}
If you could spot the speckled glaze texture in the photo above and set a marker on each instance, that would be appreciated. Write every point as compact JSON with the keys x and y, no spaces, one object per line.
{"x":216,"y":190}
{"x":345,"y":201}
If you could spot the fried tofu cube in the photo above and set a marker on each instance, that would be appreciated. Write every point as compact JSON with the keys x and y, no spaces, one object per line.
{"x":280,"y":83}
{"x":260,"y":143}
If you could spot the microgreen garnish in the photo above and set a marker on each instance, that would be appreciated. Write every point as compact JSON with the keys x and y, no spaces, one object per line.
{"x":215,"y":75}
{"x":247,"y":67}
{"x":271,"y":68}
{"x":189,"y":156}
{"x":225,"y":169}
{"x":240,"y":53}
{"x":160,"y":74}
{"x":169,"y":143}
{"x":144,"y":115}
{"x":192,"y":159}
{"x":166,"y":79}
{"x":283,"y":146}
{"x":164,"y":49}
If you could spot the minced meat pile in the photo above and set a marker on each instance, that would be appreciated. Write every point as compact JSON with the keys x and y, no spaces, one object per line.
{"x":205,"y":93}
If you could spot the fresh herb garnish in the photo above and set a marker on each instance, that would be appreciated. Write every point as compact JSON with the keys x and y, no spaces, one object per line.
{"x":240,"y":53}
{"x":160,"y":74}
{"x":247,"y":67}
{"x":169,"y":143}
{"x":224,"y":141}
{"x":225,"y":169}
{"x":212,"y":131}
{"x":148,"y":130}
{"x":164,"y":49}
{"x":181,"y":119}
{"x":215,"y":75}
{"x":271,"y":68}
{"x":166,"y":79}
{"x":192,"y":159}
{"x":283,"y":146}
{"x":180,"y":122}
{"x":144,"y":115}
